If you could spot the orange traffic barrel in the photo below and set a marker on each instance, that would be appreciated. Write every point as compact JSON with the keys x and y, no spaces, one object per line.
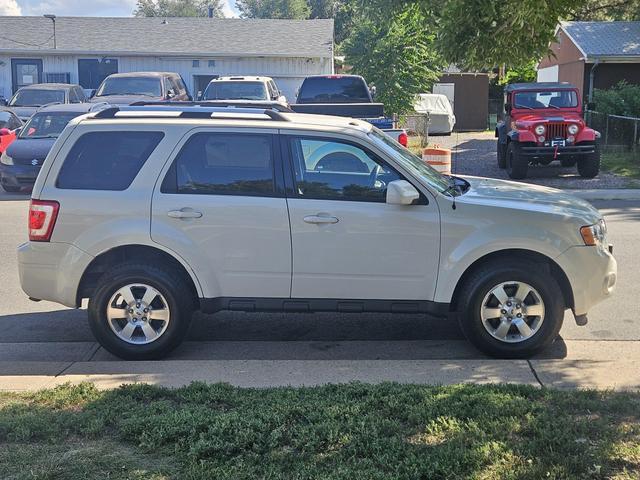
{"x":438,"y":158}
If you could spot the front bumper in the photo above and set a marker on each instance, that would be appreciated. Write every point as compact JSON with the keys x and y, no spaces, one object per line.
{"x":592,"y":273}
{"x":18,"y":175}
{"x":549,"y":151}
{"x":52,"y":271}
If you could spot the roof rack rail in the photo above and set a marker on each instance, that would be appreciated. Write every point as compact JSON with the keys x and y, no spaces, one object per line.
{"x":278,"y":107}
{"x":175,"y":112}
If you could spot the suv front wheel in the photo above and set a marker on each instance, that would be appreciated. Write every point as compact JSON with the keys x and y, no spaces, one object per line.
{"x":140,"y":312}
{"x":517,"y":164}
{"x":511,"y":311}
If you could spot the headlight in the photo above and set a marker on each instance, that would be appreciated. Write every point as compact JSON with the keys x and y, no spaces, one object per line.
{"x":573,"y":129}
{"x":595,"y":235}
{"x":540,"y":130}
{"x":6,"y":159}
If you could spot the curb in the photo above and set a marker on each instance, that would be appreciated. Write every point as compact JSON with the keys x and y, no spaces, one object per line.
{"x":606,"y":193}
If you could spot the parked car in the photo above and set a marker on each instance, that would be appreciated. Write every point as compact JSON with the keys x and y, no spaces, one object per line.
{"x":544,"y":123}
{"x":128,"y":88}
{"x":22,"y":160}
{"x":9,"y":124}
{"x":150,"y":216}
{"x":29,"y":99}
{"x":244,"y":88}
{"x":439,"y":111}
{"x":345,"y":96}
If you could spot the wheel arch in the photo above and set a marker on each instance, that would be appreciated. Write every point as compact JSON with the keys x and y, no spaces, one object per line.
{"x":136,"y":253}
{"x":553,"y":269}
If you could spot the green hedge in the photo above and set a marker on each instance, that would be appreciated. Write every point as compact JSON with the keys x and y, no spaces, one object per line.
{"x":623,"y":99}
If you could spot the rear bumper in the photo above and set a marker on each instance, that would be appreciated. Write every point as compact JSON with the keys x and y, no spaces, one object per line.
{"x":18,"y":175}
{"x":592,"y":274}
{"x":542,"y":151}
{"x":52,"y":271}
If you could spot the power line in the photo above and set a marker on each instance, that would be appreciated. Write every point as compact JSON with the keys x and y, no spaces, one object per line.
{"x":27,"y":44}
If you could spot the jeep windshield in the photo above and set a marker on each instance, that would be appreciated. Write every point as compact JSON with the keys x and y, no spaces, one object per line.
{"x":236,"y":90}
{"x":411,"y":162}
{"x":33,"y":97}
{"x":47,"y":125}
{"x":146,"y":86}
{"x":546,"y":99}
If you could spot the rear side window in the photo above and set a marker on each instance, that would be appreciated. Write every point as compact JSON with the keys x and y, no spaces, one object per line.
{"x":333,"y":89}
{"x":106,"y":160}
{"x":223,"y":164}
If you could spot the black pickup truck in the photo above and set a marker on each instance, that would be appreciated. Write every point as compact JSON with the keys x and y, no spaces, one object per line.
{"x":344,"y":96}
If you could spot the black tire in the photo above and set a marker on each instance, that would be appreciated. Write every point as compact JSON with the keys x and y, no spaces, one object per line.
{"x":483,"y":280}
{"x":171,"y":286}
{"x":568,"y":161}
{"x":589,"y":165}
{"x":502,"y":155}
{"x":517,"y":165}
{"x":10,"y":189}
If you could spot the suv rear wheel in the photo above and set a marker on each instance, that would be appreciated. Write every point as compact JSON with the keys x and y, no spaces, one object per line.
{"x":511,"y":311}
{"x":517,"y":165}
{"x":140,"y":312}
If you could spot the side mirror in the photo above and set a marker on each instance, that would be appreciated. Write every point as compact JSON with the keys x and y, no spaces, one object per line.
{"x":171,"y":93}
{"x":4,"y":102}
{"x":199,"y":95}
{"x":4,"y":131}
{"x":401,"y":192}
{"x":507,"y":107}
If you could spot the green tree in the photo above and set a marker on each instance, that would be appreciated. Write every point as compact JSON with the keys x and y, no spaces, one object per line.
{"x":602,"y":10}
{"x":177,"y":8}
{"x":485,"y":33}
{"x":396,"y":53}
{"x":294,"y":9}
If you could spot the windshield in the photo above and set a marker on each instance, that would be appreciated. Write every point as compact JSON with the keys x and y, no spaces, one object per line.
{"x":32,"y":97}
{"x":47,"y":125}
{"x":148,"y":86}
{"x":410,"y":161}
{"x":334,"y":90}
{"x":236,"y":91}
{"x":546,"y":99}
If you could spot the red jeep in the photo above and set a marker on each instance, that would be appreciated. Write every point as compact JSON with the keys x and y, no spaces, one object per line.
{"x":543,"y":123}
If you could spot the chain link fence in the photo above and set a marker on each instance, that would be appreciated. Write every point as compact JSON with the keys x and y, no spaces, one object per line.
{"x":416,"y":125}
{"x":618,"y":133}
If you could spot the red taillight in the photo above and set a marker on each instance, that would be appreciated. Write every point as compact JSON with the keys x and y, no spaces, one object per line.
{"x":403,"y":139}
{"x":42,"y":219}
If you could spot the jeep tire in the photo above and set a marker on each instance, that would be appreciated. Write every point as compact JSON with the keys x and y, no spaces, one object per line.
{"x":149,"y":337}
{"x":487,"y":333}
{"x":589,"y":165}
{"x":502,"y":155}
{"x":517,"y":165}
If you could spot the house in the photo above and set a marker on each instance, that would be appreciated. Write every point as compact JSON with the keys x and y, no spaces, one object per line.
{"x":85,"y":50}
{"x":593,"y":55}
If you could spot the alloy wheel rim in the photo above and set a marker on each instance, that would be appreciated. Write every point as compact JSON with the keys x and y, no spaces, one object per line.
{"x":138,"y":313}
{"x":512,"y":312}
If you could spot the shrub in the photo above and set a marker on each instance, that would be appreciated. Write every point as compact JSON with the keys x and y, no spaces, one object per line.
{"x":623,"y":99}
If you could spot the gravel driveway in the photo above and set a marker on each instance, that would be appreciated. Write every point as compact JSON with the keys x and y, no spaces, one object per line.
{"x":474,"y":153}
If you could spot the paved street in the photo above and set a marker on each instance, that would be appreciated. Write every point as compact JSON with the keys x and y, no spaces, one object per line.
{"x":43,"y":342}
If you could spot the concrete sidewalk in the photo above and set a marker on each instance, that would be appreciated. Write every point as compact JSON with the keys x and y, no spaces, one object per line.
{"x":572,"y":364}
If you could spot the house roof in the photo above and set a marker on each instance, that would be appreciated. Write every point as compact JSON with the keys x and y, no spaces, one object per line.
{"x":172,"y":36}
{"x":605,"y":39}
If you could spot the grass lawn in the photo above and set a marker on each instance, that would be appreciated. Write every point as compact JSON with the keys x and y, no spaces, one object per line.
{"x":352,"y":432}
{"x":626,"y":164}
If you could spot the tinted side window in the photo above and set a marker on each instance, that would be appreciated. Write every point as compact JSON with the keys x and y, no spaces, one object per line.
{"x":333,"y":170}
{"x":106,"y":160}
{"x":223,"y":164}
{"x":333,"y":90}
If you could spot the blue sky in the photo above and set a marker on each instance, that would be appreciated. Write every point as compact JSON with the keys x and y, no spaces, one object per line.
{"x":94,"y":8}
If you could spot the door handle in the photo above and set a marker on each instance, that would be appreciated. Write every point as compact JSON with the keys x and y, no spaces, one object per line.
{"x":184,"y":213}
{"x":320,"y":218}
